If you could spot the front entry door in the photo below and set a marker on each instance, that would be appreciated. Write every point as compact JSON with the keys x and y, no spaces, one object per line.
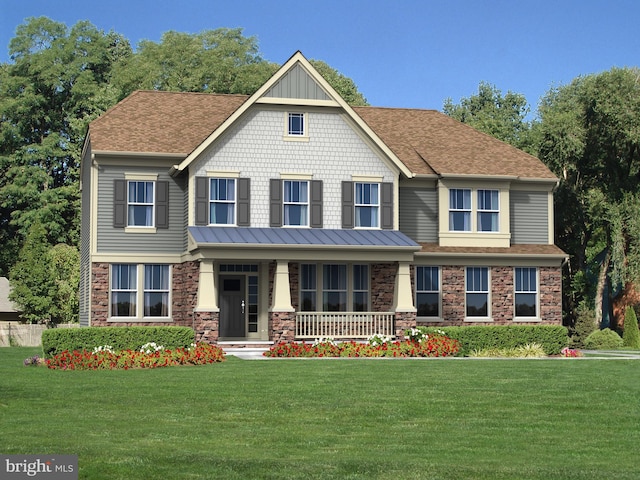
{"x":232,"y":306}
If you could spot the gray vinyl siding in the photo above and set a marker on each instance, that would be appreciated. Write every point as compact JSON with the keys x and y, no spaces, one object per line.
{"x":529,"y":217}
{"x":297,"y":84}
{"x":419,"y":213}
{"x":165,"y":240}
{"x":85,"y":242}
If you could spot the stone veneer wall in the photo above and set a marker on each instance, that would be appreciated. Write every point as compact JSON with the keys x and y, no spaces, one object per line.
{"x":184,"y":297}
{"x":502,"y":296}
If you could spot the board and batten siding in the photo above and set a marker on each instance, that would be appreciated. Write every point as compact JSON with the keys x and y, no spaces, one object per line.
{"x":115,"y":240}
{"x":529,"y":217}
{"x":419,"y":213}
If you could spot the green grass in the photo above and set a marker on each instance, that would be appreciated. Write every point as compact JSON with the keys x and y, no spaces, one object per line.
{"x":338,"y":419}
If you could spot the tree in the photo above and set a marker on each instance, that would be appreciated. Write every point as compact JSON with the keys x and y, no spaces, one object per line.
{"x":631,"y":335}
{"x":343,"y":85}
{"x":590,"y":138}
{"x":31,"y":277}
{"x":58,"y":82}
{"x":65,"y":271}
{"x":213,"y":61}
{"x":501,"y":116}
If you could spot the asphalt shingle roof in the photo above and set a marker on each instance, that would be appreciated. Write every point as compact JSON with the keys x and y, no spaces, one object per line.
{"x":426,"y":141}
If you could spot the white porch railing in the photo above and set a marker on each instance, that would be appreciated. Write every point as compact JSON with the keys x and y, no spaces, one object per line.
{"x":343,"y":324}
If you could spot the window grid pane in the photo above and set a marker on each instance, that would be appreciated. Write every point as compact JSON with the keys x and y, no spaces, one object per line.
{"x":367,"y":204}
{"x":140,"y":200}
{"x":123,"y":290}
{"x":428,"y":291}
{"x":156,"y":290}
{"x":308,"y":287}
{"x":222,"y":201}
{"x":460,"y":210}
{"x":296,"y":124}
{"x":477,"y":292}
{"x":334,"y":294}
{"x":526,"y":292}
{"x":360,"y":288}
{"x":488,"y":211}
{"x":296,"y":201}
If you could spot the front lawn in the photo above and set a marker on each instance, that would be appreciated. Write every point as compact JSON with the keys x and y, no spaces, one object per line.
{"x":341,"y":419}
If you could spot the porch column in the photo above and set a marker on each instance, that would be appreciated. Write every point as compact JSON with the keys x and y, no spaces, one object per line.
{"x":207,"y":288}
{"x":403,"y":298}
{"x":281,"y":288}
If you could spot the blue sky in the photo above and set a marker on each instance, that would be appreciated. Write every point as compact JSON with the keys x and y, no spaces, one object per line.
{"x":400,"y":53}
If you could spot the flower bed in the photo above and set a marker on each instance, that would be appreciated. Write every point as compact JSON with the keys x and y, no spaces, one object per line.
{"x":428,"y":346}
{"x":150,"y":356}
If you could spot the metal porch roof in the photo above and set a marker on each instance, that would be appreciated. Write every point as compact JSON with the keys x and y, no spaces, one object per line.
{"x":312,"y":237}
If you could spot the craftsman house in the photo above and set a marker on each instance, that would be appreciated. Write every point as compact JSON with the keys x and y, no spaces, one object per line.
{"x":289,"y":214}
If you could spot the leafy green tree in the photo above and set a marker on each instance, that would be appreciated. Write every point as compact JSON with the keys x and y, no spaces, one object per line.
{"x":491,"y":112}
{"x":31,"y":277}
{"x":345,"y":86}
{"x":58,"y":82}
{"x":213,"y":61}
{"x":590,"y":137}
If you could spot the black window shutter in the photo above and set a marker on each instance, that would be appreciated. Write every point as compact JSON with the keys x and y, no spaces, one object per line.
{"x":202,"y":201}
{"x":275,"y":202}
{"x":316,"y":204}
{"x":348,"y":214}
{"x":162,"y":204}
{"x":244,"y":199}
{"x":386,"y":204}
{"x":119,"y":203}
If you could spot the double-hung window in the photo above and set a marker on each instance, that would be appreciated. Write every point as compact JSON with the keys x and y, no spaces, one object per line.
{"x":477,"y":292}
{"x":222,"y":201}
{"x":460,"y":210}
{"x":334,"y":288}
{"x":156,"y":290}
{"x":140,"y":203}
{"x":367,"y":205}
{"x":488,"y":211}
{"x":124,"y":287}
{"x":526,"y":292}
{"x":296,"y":203}
{"x":132,"y":282}
{"x":360,"y":288}
{"x":295,"y":125}
{"x":428,"y":291}
{"x":308,"y":287}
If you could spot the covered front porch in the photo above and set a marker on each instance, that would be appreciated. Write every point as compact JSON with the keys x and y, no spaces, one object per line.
{"x":269,"y":285}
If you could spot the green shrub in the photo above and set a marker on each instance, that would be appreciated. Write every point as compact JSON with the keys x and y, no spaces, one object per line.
{"x":605,"y":339}
{"x":585,"y":325}
{"x":631,"y":335}
{"x":55,"y":341}
{"x":552,"y":338}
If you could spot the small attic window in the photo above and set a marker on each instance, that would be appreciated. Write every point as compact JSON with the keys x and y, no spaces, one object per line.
{"x":296,"y":124}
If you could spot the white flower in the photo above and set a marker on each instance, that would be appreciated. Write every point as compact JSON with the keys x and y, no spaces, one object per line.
{"x":151,"y":347}
{"x":103,"y":348}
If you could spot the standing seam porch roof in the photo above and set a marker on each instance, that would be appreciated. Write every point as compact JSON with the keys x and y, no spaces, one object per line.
{"x":311,"y":237}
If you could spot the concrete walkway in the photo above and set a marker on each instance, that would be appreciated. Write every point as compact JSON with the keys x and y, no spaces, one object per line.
{"x":612,"y":354}
{"x":247,"y":353}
